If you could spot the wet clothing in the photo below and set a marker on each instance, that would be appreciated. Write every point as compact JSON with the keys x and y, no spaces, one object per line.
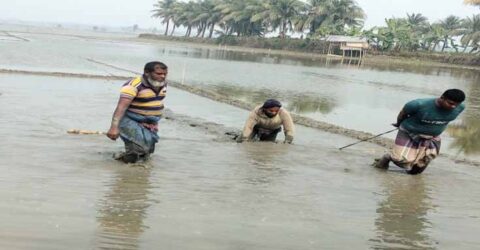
{"x":425,"y":117}
{"x":418,"y":142}
{"x":139,"y":126}
{"x":414,"y":152}
{"x":264,"y":134}
{"x":259,"y":123}
{"x":145,"y":100}
{"x":139,"y":134}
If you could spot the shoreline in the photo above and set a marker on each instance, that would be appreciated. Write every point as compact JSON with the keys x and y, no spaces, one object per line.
{"x":369,"y":60}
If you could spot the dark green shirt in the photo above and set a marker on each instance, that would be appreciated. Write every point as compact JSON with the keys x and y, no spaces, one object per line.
{"x":425,"y":117}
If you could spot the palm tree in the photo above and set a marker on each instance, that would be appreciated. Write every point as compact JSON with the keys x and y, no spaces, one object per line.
{"x":237,"y":17}
{"x":163,"y":9}
{"x":433,"y":36}
{"x":419,"y":27}
{"x":315,"y":15}
{"x":280,"y":14}
{"x":417,"y":22}
{"x":185,"y":15}
{"x":471,"y":32}
{"x":334,"y":16}
{"x":451,"y":25}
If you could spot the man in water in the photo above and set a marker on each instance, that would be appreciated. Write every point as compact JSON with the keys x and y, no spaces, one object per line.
{"x":265,"y":121}
{"x":138,"y":111}
{"x":420,"y":124}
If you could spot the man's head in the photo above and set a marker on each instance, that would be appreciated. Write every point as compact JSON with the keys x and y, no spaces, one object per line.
{"x":156,"y":73}
{"x":451,"y":98}
{"x":271,"y":107}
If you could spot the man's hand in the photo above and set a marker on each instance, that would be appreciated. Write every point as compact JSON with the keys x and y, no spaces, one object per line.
{"x":241,"y":139}
{"x":395,"y":125}
{"x":113,"y":133}
{"x":288,"y":139}
{"x":123,"y":103}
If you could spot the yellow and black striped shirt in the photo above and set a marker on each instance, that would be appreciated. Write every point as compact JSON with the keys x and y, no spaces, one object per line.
{"x":145,"y":100}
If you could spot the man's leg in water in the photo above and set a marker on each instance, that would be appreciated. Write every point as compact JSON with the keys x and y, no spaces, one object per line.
{"x":133,"y":153}
{"x":382,"y":162}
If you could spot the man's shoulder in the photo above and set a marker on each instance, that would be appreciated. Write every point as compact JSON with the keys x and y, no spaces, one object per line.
{"x":422,"y":102}
{"x":134,"y":82}
{"x":425,"y":101}
{"x":284,"y":111}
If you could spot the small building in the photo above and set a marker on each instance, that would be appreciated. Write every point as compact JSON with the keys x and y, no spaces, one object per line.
{"x":347,"y":46}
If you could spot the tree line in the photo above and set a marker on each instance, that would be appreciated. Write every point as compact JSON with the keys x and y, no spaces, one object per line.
{"x":315,"y":19}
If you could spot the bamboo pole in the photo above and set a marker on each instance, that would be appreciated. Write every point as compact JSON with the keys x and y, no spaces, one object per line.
{"x":85,"y":132}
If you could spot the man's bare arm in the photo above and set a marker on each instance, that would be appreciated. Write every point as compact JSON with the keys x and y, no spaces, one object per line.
{"x":401,"y":116}
{"x":122,"y":106}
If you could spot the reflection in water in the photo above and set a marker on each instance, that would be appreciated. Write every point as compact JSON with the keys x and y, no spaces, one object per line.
{"x":401,"y":221}
{"x":242,"y":56}
{"x":302,"y":60}
{"x":297,"y":103}
{"x":245,"y":94}
{"x":467,"y":134}
{"x":308,"y":104}
{"x":264,"y":157}
{"x":123,"y":209}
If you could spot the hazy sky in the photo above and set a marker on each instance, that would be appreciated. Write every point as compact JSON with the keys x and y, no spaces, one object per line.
{"x":129,"y":12}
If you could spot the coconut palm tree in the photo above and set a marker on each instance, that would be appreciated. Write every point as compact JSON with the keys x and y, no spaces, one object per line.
{"x":185,"y":15}
{"x":433,"y":37}
{"x":466,"y":135}
{"x":280,"y":14}
{"x":417,"y":22}
{"x":163,"y":9}
{"x":471,"y":32}
{"x":419,"y":26}
{"x":237,"y":17}
{"x":451,"y":25}
{"x":333,"y":15}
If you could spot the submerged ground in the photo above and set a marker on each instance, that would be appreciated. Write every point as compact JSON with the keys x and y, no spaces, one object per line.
{"x":200,"y":190}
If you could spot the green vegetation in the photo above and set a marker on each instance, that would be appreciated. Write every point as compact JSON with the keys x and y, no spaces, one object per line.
{"x":259,"y":17}
{"x":247,"y":22}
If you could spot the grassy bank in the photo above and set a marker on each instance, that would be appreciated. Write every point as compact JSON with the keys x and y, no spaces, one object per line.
{"x":309,"y":46}
{"x":289,"y":44}
{"x":447,"y":57}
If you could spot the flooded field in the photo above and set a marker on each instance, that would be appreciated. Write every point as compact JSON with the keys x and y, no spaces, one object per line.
{"x":202,"y":191}
{"x":345,"y":94}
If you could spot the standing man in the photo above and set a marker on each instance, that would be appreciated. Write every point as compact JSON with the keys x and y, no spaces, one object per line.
{"x":265,"y":121}
{"x":138,"y":111}
{"x":420,"y":124}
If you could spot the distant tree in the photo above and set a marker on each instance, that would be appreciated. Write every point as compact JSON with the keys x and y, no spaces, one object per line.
{"x":163,"y":9}
{"x":470,"y":32}
{"x":451,"y":25}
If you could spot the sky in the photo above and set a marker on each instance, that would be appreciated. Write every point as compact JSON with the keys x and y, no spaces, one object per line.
{"x":123,"y":13}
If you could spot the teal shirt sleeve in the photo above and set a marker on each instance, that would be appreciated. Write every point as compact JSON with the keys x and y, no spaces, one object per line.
{"x":411,"y":107}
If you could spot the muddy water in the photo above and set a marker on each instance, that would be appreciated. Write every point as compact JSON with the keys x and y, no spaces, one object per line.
{"x":364,"y":98}
{"x":197,"y":192}
{"x":200,"y":192}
